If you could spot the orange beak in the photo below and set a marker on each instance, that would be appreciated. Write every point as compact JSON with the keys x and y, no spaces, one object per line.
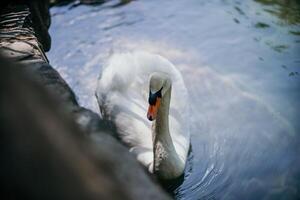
{"x":152,"y":110}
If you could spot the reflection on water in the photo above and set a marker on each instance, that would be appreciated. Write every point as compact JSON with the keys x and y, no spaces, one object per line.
{"x":261,"y":25}
{"x":288,"y":11}
{"x":240,"y":61}
{"x":295,"y":32}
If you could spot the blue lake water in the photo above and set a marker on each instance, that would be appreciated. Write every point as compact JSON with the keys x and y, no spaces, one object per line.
{"x":241,"y":64}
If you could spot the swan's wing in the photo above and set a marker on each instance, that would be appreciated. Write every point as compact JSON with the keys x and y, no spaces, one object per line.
{"x":122,"y":99}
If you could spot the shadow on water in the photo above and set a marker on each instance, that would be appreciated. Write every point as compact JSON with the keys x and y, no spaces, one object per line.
{"x":73,"y":4}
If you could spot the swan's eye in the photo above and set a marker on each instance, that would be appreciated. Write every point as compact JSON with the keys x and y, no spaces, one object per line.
{"x":159,"y":92}
{"x":153,"y":97}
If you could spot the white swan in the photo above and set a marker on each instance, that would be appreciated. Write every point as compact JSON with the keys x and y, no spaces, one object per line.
{"x":132,"y":82}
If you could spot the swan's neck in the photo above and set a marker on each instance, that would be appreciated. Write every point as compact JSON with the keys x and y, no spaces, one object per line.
{"x":167,"y":164}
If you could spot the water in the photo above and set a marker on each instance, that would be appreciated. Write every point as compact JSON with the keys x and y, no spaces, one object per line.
{"x":240,"y":61}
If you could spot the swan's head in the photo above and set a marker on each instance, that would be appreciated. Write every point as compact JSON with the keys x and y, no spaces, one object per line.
{"x":159,"y":84}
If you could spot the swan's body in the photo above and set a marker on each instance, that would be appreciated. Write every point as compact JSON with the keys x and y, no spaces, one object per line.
{"x":123,"y":92}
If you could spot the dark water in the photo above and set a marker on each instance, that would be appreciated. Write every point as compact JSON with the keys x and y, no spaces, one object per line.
{"x":241,"y":64}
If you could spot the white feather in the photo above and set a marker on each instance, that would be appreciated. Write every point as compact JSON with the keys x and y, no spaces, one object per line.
{"x":122,"y":93}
